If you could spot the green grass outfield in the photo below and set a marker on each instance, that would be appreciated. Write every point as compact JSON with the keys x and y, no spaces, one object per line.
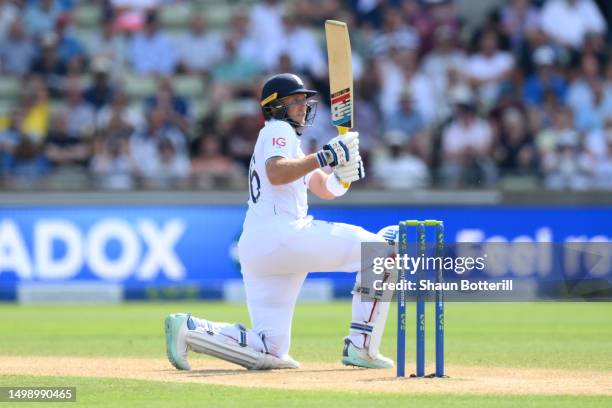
{"x":562,"y":336}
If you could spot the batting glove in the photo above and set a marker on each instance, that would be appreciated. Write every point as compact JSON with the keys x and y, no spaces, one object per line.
{"x":352,"y":171}
{"x":339,"y":150}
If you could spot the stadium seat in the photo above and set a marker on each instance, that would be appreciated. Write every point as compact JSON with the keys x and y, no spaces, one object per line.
{"x":189,"y":86}
{"x":87,"y":36}
{"x":524,"y":182}
{"x":6,"y":106}
{"x":200,"y":107}
{"x":175,"y":33}
{"x":219,"y":16}
{"x":138,"y":87}
{"x":9,"y":87}
{"x":240,"y":107}
{"x":87,"y":15}
{"x":176,"y":15}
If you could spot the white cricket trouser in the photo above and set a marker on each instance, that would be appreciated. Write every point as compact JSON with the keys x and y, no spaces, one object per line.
{"x":273,"y":279}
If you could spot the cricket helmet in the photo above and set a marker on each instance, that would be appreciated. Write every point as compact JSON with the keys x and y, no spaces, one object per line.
{"x":280,"y":86}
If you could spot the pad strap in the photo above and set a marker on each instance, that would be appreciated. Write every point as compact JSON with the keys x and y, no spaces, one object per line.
{"x":263,"y":340}
{"x":209,"y":327}
{"x":243,"y":335}
{"x":362,"y":327}
{"x":372,"y":294}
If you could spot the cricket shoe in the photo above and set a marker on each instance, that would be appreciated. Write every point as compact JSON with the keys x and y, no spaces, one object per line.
{"x":359,"y":357}
{"x":176,"y":326}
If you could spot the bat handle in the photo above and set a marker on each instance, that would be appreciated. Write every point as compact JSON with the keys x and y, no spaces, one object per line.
{"x":342,"y":130}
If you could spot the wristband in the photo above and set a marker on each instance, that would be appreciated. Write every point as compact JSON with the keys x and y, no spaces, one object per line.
{"x":335,"y":186}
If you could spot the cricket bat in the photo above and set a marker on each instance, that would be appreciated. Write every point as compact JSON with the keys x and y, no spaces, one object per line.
{"x":340,"y":75}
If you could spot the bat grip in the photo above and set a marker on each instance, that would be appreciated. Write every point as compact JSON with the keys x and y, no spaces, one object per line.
{"x":342,"y":130}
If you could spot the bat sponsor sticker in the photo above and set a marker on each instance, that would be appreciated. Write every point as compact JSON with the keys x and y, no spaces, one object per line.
{"x":341,"y":108}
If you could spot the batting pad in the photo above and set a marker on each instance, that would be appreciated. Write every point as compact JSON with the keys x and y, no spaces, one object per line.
{"x":227,"y":349}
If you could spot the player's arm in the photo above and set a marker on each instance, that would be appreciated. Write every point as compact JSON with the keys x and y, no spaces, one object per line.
{"x":318,"y":185}
{"x":282,"y":170}
{"x":330,"y":186}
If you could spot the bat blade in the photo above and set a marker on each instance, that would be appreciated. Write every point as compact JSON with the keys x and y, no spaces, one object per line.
{"x":340,"y":74}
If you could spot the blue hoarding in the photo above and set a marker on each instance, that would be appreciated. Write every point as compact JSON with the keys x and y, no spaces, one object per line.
{"x":157,"y":246}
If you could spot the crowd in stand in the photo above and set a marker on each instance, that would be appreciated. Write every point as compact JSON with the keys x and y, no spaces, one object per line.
{"x":524,"y":98}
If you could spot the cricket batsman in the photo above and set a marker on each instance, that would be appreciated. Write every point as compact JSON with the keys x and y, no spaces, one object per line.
{"x":280,"y":244}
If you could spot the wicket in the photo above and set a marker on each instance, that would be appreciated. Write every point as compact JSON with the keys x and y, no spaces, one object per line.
{"x":420,"y":226}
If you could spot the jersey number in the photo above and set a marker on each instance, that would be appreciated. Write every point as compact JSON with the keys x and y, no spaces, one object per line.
{"x":254,"y":182}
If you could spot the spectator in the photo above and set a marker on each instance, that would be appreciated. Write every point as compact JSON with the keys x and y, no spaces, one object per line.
{"x":562,"y":123}
{"x":303,"y":49}
{"x":467,"y":143}
{"x":568,"y":165}
{"x":315,"y":11}
{"x":29,"y":165}
{"x":9,"y":139}
{"x":175,"y":107}
{"x":515,"y":153}
{"x":120,"y":6}
{"x":62,"y":149}
{"x":369,"y":13}
{"x":120,"y":115}
{"x":400,"y":168}
{"x":34,"y":104}
{"x":433,"y":14}
{"x":10,"y":10}
{"x":110,"y":46}
{"x":266,"y":27}
{"x":589,"y":95}
{"x":545,"y":79}
{"x":399,"y":74}
{"x":541,"y":117}
{"x":580,"y":90}
{"x":49,"y":66}
{"x":211,"y":168}
{"x":596,"y":140}
{"x":111,"y":164}
{"x":151,"y":51}
{"x":130,"y":15}
{"x":232,"y":73}
{"x":145,"y":143}
{"x":17,"y":51}
{"x":22,"y":165}
{"x":69,"y":49}
{"x":245,"y":44}
{"x":80,"y":115}
{"x":199,"y":50}
{"x":66,"y":5}
{"x":100,"y":93}
{"x":169,"y":169}
{"x":592,"y":115}
{"x":603,"y":164}
{"x":240,"y":128}
{"x":488,"y":68}
{"x":520,"y":19}
{"x":368,"y":117}
{"x":394,"y":35}
{"x":568,"y":21}
{"x":594,"y":44}
{"x":444,"y":60}
{"x":41,"y":16}
{"x":409,"y":123}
